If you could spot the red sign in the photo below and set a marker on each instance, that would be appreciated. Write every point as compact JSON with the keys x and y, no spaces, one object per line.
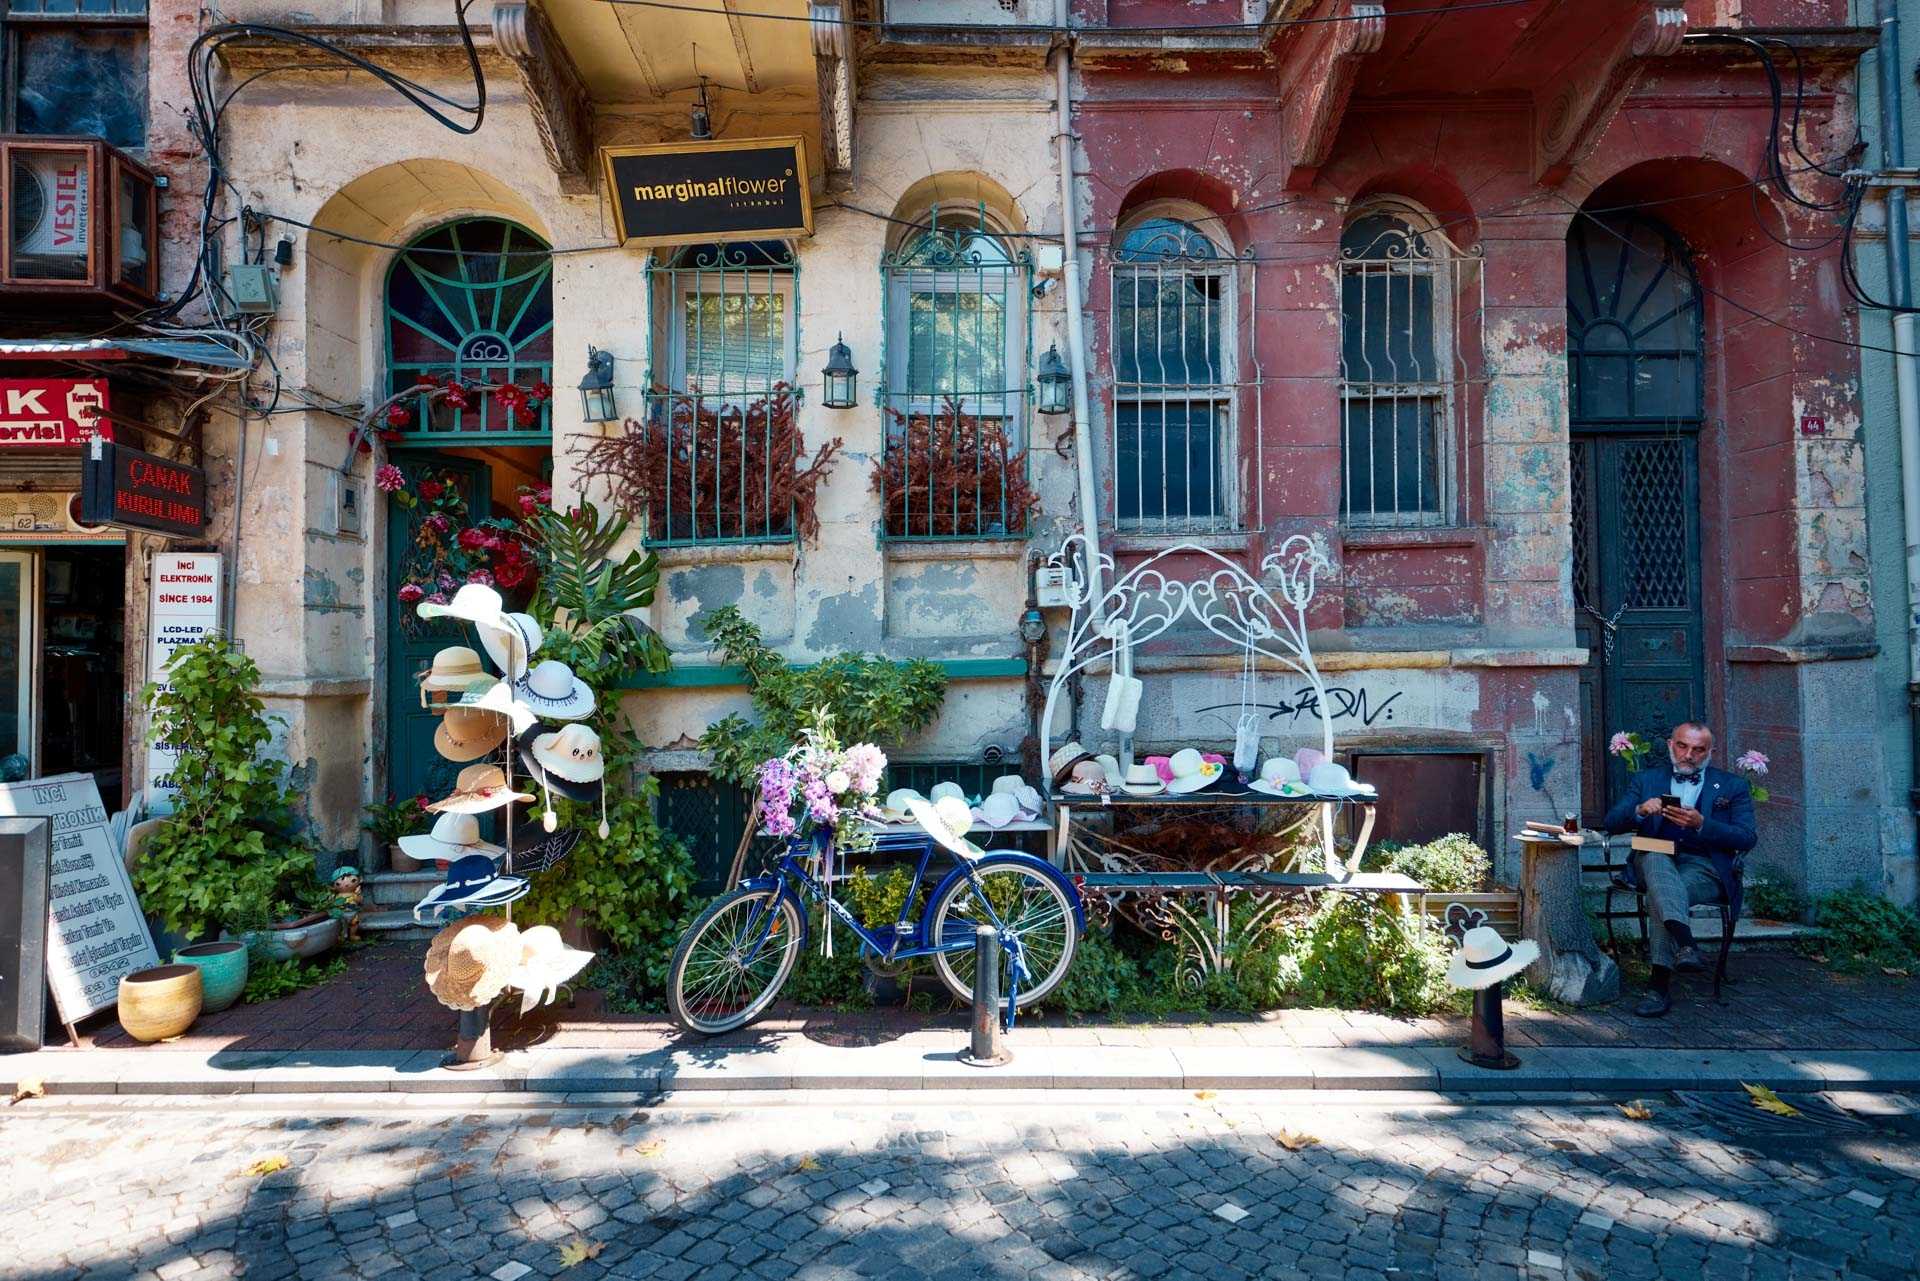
{"x":53,"y":411}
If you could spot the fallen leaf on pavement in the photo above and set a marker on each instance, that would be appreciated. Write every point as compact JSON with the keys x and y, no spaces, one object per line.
{"x":268,"y":1164}
{"x":33,"y":1089}
{"x":807,"y":1163}
{"x":1896,"y":971}
{"x":1637,"y":1110}
{"x":1203,"y":1095}
{"x":1767,"y":1101}
{"x":578,"y":1251}
{"x":1293,"y":1141}
{"x":652,"y":1147}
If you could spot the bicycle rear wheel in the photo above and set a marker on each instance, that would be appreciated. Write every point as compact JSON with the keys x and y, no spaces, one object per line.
{"x":732,"y":963}
{"x":1034,"y":910}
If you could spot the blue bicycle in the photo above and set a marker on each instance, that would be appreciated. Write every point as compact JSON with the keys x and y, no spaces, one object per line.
{"x":730,"y":966}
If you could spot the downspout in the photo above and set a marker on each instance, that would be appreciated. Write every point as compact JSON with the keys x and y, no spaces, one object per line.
{"x":1893,"y":155}
{"x":1076,"y":323}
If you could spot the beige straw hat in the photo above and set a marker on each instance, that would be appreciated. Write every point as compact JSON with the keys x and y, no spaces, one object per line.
{"x":470,"y":961}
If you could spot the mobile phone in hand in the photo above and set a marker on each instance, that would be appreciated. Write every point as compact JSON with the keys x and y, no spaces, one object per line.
{"x":1670,"y":799}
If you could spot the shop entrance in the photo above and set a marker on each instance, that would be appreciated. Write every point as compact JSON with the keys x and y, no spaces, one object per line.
{"x":1634,"y":359}
{"x":63,"y":663}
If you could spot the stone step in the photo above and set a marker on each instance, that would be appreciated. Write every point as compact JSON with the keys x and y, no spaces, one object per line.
{"x":396,"y":924}
{"x":399,"y":889}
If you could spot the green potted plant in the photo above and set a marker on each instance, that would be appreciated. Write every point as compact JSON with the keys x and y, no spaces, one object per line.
{"x":228,"y":854}
{"x":389,"y":820}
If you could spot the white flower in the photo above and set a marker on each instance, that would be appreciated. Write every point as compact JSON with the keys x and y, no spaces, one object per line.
{"x":838,"y":782}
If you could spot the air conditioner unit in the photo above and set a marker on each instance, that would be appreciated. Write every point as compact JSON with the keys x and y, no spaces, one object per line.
{"x":82,"y":222}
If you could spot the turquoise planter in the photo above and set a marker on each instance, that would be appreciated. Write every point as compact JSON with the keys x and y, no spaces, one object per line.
{"x":223,"y":971}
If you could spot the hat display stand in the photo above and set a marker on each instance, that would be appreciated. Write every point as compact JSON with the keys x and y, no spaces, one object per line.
{"x":1486,"y":1045}
{"x":1208,"y":867}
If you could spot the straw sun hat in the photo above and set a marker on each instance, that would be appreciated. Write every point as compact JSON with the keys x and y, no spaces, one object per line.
{"x":470,"y":961}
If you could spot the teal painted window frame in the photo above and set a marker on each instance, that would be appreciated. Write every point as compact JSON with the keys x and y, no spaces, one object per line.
{"x":469,"y":349}
{"x":957,"y":253}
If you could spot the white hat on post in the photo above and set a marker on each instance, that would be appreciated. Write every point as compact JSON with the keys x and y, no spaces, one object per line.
{"x":1484,"y":958}
{"x":473,"y":603}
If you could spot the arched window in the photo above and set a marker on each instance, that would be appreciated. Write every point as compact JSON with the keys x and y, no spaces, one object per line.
{"x":473,"y":298}
{"x":1396,"y":368}
{"x":1174,"y":323}
{"x":1633,"y":323}
{"x":956,"y":380}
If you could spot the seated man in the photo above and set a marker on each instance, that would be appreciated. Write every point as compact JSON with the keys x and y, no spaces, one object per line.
{"x":1711,"y":827}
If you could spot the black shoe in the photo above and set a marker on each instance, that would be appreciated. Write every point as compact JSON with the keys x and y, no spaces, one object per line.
{"x":1654,"y":1005}
{"x":1689,"y":961}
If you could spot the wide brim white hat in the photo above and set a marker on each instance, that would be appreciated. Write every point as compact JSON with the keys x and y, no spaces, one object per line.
{"x":1008,"y":783}
{"x":546,"y":962}
{"x":454,"y":836}
{"x":1030,"y":801}
{"x":460,"y":677}
{"x":1330,"y":778}
{"x":498,"y":698}
{"x":1191,"y":772}
{"x":1484,"y":958}
{"x":479,"y":790}
{"x":575,"y":702}
{"x":554,"y":752}
{"x":937,"y":827}
{"x":510,"y":641}
{"x":473,"y":603}
{"x":943,"y":790}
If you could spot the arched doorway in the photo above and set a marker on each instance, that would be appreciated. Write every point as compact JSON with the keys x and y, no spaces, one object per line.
{"x":472,"y":297}
{"x":1634,"y":354}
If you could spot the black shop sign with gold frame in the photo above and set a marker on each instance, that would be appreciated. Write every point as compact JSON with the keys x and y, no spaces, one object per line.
{"x":687,"y":193}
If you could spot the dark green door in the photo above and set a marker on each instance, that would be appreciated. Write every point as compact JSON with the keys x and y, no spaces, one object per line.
{"x":413,"y":766}
{"x":1634,"y":352}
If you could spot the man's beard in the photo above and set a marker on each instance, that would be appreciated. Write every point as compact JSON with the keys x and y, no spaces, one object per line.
{"x":1687,"y":771}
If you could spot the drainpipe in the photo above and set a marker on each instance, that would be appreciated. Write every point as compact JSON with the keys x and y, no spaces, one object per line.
{"x":1893,"y":155}
{"x":1076,"y":326}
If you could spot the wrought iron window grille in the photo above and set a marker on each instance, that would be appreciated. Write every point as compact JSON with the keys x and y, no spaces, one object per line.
{"x":1177,"y":461}
{"x":1411,"y":303}
{"x":472,"y":298}
{"x":956,"y":396}
{"x":721,"y":412}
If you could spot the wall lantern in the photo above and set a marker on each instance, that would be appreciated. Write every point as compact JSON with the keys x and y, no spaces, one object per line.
{"x":841,"y":378}
{"x":1056,"y":383}
{"x":596,"y":389}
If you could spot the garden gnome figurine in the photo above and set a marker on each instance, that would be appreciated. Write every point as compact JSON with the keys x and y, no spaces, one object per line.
{"x":346,"y":887}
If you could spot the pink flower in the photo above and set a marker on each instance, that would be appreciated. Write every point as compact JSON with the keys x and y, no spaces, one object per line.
{"x":1163,"y":766}
{"x":481,"y":577}
{"x":438,"y":598}
{"x":1752,"y":762}
{"x":438,"y":523}
{"x":389,"y":479}
{"x":411,"y":593}
{"x":1620,"y":744}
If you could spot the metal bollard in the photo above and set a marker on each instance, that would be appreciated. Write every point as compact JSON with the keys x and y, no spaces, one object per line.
{"x":1487,"y":1047}
{"x":988,"y":1048}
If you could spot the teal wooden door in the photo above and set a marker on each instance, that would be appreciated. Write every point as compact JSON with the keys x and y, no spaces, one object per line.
{"x":1634,"y":354}
{"x":413,"y":766}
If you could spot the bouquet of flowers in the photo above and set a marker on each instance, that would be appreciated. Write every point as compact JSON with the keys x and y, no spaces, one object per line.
{"x":1754,"y":765}
{"x":820,"y":786}
{"x":1631,"y":747}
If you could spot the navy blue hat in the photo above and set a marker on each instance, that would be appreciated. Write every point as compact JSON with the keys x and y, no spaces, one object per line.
{"x":472,"y":882}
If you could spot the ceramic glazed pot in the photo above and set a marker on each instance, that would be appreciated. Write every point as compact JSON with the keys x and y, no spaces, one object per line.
{"x":305,"y":941}
{"x":161,"y":1002}
{"x":223,"y":971}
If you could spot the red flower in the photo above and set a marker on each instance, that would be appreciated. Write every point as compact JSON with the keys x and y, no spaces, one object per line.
{"x":364,"y":443}
{"x":527,"y":503}
{"x":432,"y":489}
{"x":458,"y":398}
{"x":511,"y":573}
{"x":425,"y":380}
{"x":475,"y":539}
{"x":411,"y":592}
{"x":438,"y":523}
{"x":481,"y":577}
{"x":509,"y":393}
{"x":525,"y":415}
{"x":388,"y":436}
{"x":541,"y":391}
{"x":399,"y":416}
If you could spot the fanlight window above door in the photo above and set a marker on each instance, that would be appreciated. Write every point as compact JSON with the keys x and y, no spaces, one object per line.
{"x":473,"y":298}
{"x":1633,"y":324}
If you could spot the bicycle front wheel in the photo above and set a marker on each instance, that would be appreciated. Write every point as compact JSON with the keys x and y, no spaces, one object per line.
{"x":732,"y":963}
{"x":1032,"y":908}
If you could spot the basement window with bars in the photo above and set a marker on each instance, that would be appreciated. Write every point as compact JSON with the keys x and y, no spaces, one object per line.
{"x":1400,"y":286}
{"x":721,"y":414}
{"x":1174,"y":326}
{"x":955,"y":399}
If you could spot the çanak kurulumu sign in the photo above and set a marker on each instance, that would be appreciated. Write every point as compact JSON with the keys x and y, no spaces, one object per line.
{"x":686,"y":193}
{"x":52,"y":411}
{"x":134,"y":490}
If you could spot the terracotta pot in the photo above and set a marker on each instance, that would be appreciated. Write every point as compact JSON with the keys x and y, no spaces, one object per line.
{"x":223,"y":972}
{"x":399,"y":860}
{"x":161,"y":1002}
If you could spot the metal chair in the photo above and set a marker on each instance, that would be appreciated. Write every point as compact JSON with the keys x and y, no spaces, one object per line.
{"x":1617,"y":884}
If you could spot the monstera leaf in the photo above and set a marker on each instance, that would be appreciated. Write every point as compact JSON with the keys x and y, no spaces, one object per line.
{"x":588,"y":600}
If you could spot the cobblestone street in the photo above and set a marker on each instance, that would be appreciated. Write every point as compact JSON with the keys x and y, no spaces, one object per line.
{"x":1070,"y":1186}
